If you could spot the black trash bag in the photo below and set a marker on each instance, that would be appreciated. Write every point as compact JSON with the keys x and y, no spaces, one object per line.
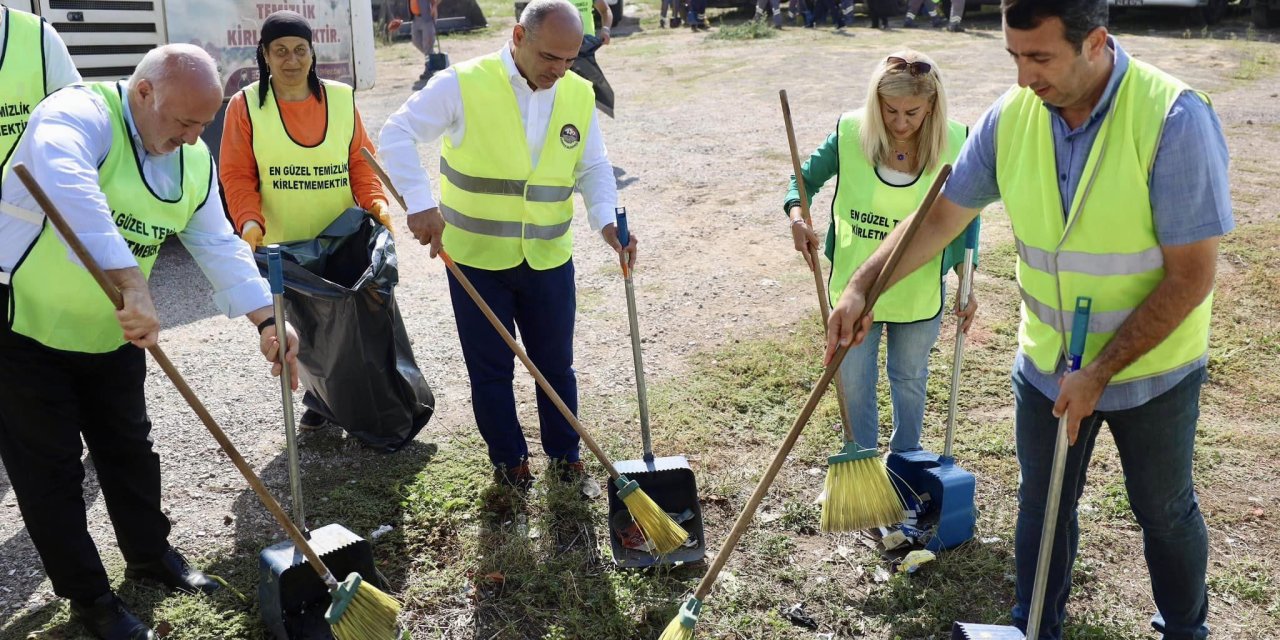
{"x":585,"y":65}
{"x":355,"y":358}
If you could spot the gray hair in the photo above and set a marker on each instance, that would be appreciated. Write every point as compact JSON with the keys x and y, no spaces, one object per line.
{"x":538,"y":11}
{"x":172,"y":61}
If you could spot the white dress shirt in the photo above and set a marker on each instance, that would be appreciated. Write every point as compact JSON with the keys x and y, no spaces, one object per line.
{"x":59,"y":69}
{"x":437,"y":110}
{"x":67,"y":138}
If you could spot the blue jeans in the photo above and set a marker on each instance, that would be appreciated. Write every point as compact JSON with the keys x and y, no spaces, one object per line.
{"x":1155,"y":442}
{"x":908,"y":368}
{"x":542,"y":305}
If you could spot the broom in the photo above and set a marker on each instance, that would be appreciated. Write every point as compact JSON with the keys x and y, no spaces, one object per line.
{"x":681,"y":627}
{"x":658,"y":527}
{"x":359,"y":611}
{"x":823,"y":302}
{"x":859,"y":493}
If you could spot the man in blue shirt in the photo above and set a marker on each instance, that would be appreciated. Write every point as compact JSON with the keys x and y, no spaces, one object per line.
{"x":1065,"y":56}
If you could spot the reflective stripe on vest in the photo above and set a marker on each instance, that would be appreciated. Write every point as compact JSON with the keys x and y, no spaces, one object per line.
{"x":1107,"y":247}
{"x":22,"y":83}
{"x":500,"y":211}
{"x":863,"y":212}
{"x":588,"y":19}
{"x":303,"y":188}
{"x":55,"y":301}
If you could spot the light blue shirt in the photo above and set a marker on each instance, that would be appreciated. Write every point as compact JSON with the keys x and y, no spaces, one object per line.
{"x":67,"y":139}
{"x":1190,"y":198}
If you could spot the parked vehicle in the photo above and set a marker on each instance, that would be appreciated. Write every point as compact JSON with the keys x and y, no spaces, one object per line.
{"x":1210,"y":11}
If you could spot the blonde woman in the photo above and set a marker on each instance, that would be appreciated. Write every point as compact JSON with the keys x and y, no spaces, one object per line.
{"x":886,"y":155}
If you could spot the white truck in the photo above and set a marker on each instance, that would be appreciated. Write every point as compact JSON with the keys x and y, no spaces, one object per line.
{"x":107,"y":38}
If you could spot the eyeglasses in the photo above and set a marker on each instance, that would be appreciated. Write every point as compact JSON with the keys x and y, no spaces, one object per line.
{"x":917,"y":68}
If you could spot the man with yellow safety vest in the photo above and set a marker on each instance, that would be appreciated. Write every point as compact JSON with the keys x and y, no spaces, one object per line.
{"x":34,"y":62}
{"x":124,"y":164}
{"x":589,"y":20}
{"x":520,"y":132}
{"x":1114,"y":175}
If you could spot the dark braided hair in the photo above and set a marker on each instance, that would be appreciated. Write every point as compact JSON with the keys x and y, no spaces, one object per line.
{"x":278,"y":25}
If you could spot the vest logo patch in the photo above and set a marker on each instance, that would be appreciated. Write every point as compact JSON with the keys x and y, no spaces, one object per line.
{"x":569,"y":136}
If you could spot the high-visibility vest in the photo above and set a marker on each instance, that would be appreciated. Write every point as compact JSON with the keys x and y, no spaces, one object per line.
{"x":588,"y":18}
{"x":414,"y":8}
{"x":303,"y":188}
{"x":866,"y":208}
{"x":55,"y":301}
{"x":1106,"y":248}
{"x":22,"y":81}
{"x":499,"y":210}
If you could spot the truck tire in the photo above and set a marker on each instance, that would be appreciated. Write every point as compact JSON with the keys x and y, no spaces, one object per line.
{"x":1264,"y":15}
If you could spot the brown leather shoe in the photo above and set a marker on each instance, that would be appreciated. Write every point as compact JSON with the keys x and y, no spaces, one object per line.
{"x":518,"y":476}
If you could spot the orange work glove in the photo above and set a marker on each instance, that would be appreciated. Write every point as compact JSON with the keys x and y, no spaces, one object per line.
{"x":379,"y":213}
{"x":251,"y":233}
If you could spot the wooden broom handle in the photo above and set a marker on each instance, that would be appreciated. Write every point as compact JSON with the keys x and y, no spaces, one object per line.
{"x":72,"y":241}
{"x":823,"y":305}
{"x":502,"y":330}
{"x":762,"y":487}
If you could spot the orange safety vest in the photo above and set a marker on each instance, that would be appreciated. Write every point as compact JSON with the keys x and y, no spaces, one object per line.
{"x":414,"y":8}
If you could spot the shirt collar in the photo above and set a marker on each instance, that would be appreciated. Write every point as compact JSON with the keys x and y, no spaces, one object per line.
{"x":1118,"y":69}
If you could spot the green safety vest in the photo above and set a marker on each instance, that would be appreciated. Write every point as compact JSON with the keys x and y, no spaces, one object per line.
{"x":1107,"y":247}
{"x":865,"y":209}
{"x":303,"y":188}
{"x":22,"y":82}
{"x":588,"y":19}
{"x":500,"y":211}
{"x":55,"y":301}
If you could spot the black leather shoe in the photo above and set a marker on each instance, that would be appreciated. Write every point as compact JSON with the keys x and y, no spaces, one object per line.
{"x":173,"y":571}
{"x":109,"y":619}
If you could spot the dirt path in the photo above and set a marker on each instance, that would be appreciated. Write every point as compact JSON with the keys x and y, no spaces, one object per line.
{"x":700,"y":154}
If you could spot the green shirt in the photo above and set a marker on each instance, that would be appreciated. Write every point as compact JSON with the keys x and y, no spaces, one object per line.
{"x":823,"y":165}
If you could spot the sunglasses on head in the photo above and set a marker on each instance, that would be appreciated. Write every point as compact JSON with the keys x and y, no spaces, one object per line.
{"x":917,"y":68}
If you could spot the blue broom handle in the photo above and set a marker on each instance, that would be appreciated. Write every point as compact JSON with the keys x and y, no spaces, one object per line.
{"x":275,"y":277}
{"x":1079,"y":331}
{"x":957,"y":358}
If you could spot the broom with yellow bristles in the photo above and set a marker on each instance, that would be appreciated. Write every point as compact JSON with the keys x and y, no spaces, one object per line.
{"x":359,"y":610}
{"x":681,"y":627}
{"x":658,"y":527}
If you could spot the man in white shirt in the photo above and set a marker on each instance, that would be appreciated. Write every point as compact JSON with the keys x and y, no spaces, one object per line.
{"x":34,"y":63}
{"x":520,"y":132}
{"x":124,"y":164}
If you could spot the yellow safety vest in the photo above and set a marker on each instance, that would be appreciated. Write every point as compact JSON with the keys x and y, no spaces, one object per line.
{"x":304,"y":188}
{"x":22,"y":82}
{"x":588,"y":19}
{"x":55,"y":301}
{"x":500,"y":211}
{"x":865,"y":209}
{"x":1107,"y":247}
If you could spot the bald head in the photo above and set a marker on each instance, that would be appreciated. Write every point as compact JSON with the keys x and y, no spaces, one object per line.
{"x":557,"y":14}
{"x":546,"y":41}
{"x":174,"y":93}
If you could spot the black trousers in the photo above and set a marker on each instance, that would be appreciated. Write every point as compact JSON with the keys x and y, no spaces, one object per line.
{"x":49,"y":399}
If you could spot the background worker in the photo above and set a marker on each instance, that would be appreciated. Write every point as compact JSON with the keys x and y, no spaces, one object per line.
{"x":124,"y":164}
{"x":589,"y":19}
{"x":291,"y":160}
{"x":886,"y":156}
{"x":1114,"y":175}
{"x":422,"y":30}
{"x":34,"y":62}
{"x":520,"y":132}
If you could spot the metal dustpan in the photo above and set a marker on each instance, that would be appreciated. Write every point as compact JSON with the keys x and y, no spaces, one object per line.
{"x":668,"y":480}
{"x":934,"y":487}
{"x":291,"y":596}
{"x":970,"y":631}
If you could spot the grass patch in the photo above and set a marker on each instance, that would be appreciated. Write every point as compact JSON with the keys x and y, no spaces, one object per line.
{"x":749,"y":30}
{"x":1246,"y":581}
{"x":1257,"y":62}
